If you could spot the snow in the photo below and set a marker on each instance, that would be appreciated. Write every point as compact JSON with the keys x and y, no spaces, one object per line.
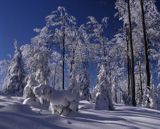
{"x":31,"y":102}
{"x":60,"y":97}
{"x":55,"y":96}
{"x":61,"y":102}
{"x":15,"y":115}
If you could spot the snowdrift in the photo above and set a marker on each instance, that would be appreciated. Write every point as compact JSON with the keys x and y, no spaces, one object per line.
{"x":15,"y":115}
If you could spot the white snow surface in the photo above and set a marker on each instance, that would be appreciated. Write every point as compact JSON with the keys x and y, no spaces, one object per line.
{"x":15,"y":115}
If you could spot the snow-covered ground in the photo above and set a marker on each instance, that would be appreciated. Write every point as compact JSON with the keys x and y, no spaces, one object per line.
{"x":14,"y":115}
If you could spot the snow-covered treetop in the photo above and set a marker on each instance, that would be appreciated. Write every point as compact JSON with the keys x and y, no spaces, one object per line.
{"x":60,"y":17}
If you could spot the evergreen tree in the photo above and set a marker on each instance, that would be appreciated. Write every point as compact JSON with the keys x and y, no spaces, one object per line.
{"x":104,"y":95}
{"x":14,"y":81}
{"x":84,"y":83}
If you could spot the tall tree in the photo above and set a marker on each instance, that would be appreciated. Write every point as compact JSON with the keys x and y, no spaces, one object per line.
{"x":63,"y":22}
{"x":125,"y":9}
{"x":128,"y":63}
{"x":147,"y":66}
{"x":73,"y":49}
{"x":140,"y":82}
{"x":132,"y":55}
{"x":37,"y":58}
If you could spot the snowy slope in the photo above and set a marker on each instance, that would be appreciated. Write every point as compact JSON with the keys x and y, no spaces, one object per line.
{"x":14,"y":115}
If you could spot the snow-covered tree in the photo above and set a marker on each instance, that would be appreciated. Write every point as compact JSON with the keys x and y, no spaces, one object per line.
{"x":14,"y":81}
{"x":132,"y":13}
{"x":37,"y":57}
{"x":43,"y":57}
{"x":55,"y":80}
{"x":63,"y":23}
{"x":4,"y":64}
{"x":73,"y":49}
{"x":92,"y":50}
{"x":84,"y":84}
{"x":104,"y":95}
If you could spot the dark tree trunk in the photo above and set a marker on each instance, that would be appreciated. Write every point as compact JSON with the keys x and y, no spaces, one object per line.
{"x":72,"y":63}
{"x":132,"y":56}
{"x":147,"y":67}
{"x":63,"y":58}
{"x":55,"y":74}
{"x":140,"y":82}
{"x":128,"y":64}
{"x":115,"y":90}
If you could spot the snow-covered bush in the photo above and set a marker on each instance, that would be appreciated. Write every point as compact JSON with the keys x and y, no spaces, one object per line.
{"x":28,"y":95}
{"x":61,"y":102}
{"x":42,"y":92}
{"x":155,"y":98}
{"x":28,"y":90}
{"x":103,"y":96}
{"x":32,"y":102}
{"x":147,"y":98}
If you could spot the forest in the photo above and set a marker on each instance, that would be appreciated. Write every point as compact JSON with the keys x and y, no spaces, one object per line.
{"x":52,"y":74}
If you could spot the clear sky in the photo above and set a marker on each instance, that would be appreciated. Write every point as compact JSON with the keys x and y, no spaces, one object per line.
{"x":18,"y":18}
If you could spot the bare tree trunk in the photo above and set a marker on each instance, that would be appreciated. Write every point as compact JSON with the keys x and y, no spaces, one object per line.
{"x":132,"y":56}
{"x":55,"y":74}
{"x":115,"y":90}
{"x":148,"y":76}
{"x":128,"y":64}
{"x":63,"y":52}
{"x":110,"y":74}
{"x":63,"y":58}
{"x":72,"y":63}
{"x":140,"y":81}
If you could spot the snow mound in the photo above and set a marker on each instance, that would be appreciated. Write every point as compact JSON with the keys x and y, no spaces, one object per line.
{"x":61,"y":102}
{"x":31,"y":102}
{"x":86,"y":105}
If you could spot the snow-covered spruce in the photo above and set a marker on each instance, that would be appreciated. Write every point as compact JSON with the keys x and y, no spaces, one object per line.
{"x":103,"y":96}
{"x":84,"y":84}
{"x":14,"y":81}
{"x":61,"y":102}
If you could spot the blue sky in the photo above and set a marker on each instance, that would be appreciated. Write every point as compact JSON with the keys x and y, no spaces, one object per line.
{"x":18,"y":18}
